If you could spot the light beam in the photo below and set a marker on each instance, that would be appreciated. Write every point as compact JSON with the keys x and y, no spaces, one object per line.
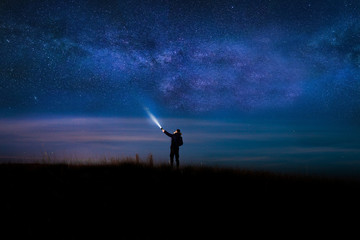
{"x":153,"y":118}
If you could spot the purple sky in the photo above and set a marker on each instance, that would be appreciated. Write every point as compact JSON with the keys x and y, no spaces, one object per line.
{"x":251,"y":83}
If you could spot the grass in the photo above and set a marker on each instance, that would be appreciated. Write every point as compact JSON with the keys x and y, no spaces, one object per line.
{"x":63,"y":198}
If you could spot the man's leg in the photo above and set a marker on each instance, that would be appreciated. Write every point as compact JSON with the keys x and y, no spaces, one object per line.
{"x":172,"y":154}
{"x":176,"y":153}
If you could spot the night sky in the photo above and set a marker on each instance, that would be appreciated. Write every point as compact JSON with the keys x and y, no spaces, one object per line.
{"x":269,"y":84}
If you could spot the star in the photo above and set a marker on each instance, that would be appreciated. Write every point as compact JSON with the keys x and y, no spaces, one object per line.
{"x":191,"y":61}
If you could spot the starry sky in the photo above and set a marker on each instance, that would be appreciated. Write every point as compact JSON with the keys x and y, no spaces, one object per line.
{"x":250,"y":68}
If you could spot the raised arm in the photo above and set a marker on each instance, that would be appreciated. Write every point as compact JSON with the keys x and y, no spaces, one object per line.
{"x":166,"y":132}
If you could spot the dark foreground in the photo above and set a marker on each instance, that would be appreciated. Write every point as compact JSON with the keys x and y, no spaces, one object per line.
{"x":62,"y":201}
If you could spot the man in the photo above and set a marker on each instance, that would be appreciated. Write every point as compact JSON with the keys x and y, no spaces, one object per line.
{"x":176,"y":142}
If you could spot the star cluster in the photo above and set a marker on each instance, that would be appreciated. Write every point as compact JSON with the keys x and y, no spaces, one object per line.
{"x":108,"y":57}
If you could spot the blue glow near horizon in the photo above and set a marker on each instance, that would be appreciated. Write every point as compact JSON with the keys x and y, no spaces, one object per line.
{"x":280,"y":145}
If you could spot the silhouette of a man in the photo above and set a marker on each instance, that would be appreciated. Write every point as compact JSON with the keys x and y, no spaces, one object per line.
{"x":176,"y":142}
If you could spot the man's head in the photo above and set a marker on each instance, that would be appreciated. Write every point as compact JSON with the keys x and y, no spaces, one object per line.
{"x":177,"y":131}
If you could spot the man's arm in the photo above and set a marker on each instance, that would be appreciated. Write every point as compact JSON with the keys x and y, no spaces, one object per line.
{"x":166,"y":132}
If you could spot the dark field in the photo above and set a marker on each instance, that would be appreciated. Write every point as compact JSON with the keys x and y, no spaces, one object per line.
{"x":65,"y":201}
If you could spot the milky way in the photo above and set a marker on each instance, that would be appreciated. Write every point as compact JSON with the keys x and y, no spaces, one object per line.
{"x":190,"y":57}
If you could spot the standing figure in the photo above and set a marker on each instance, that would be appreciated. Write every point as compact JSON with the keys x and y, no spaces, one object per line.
{"x":176,"y":142}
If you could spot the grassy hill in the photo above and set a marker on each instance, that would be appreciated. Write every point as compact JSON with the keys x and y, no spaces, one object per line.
{"x":60,"y":199}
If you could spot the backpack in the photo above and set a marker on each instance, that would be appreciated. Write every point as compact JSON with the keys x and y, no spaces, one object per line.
{"x":180,"y":143}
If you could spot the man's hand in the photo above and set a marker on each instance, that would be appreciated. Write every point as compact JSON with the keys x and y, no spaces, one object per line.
{"x":163,"y":130}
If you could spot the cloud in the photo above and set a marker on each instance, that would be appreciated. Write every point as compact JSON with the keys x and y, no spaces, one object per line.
{"x":76,"y":130}
{"x":130,"y":135}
